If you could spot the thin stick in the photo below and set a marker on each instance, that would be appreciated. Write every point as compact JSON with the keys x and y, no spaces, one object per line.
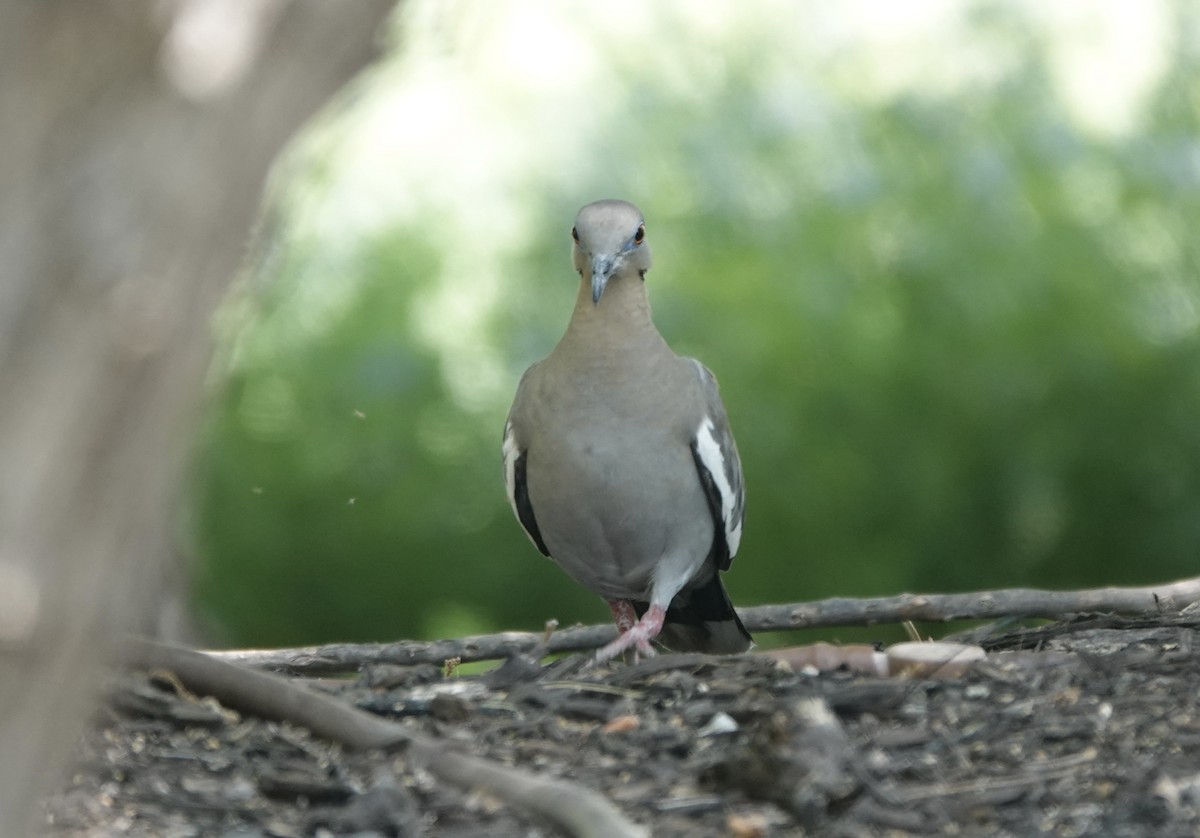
{"x":578,"y":810}
{"x":980,"y":605}
{"x":840,"y":611}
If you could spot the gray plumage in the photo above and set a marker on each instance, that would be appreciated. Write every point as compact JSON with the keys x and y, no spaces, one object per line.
{"x":618,"y":457}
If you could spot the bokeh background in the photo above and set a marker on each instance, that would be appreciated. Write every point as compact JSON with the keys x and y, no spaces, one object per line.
{"x":942,"y":256}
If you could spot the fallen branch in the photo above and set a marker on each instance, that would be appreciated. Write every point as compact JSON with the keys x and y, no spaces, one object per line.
{"x":576,"y":809}
{"x":839,"y":611}
{"x":979,"y":605}
{"x":347,"y":657}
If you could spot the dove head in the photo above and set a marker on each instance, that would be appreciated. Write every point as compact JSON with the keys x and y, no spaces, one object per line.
{"x":610,"y":242}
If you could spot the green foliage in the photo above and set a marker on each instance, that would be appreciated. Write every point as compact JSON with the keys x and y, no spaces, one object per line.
{"x":957,"y":334}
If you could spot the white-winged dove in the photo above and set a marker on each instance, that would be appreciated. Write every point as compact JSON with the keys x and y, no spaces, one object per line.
{"x":618,"y":458}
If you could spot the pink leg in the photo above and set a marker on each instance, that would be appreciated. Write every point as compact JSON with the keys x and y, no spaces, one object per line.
{"x":623,"y":614}
{"x":637,"y":637}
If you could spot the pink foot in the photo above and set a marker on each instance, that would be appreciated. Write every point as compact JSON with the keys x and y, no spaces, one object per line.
{"x":637,"y":637}
{"x":623,"y":614}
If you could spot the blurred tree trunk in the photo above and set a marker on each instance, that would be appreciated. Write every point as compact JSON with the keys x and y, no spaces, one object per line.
{"x":135,"y":140}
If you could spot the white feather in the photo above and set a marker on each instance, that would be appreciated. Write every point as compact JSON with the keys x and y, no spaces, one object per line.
{"x":713,"y":457}
{"x":511,"y":454}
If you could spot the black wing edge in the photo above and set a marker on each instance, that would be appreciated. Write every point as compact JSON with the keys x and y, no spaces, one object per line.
{"x":524,"y":507}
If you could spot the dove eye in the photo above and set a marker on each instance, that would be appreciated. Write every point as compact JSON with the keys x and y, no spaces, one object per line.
{"x":575,"y":234}
{"x":640,"y":234}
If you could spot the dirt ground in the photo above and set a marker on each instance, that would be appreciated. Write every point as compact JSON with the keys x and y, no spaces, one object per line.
{"x":1086,"y":727}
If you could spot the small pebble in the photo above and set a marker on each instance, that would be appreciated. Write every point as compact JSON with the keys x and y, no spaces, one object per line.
{"x":720,"y":723}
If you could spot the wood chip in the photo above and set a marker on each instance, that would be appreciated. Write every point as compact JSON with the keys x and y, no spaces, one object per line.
{"x":752,"y":825}
{"x":622,"y":724}
{"x":938,"y":659}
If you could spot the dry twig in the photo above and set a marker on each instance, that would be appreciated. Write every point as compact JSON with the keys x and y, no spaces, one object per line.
{"x":839,"y":611}
{"x":979,"y":605}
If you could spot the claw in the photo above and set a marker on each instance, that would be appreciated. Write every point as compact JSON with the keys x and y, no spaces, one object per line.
{"x":637,"y":637}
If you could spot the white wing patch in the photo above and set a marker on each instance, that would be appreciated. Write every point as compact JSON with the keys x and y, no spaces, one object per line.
{"x":511,"y":454}
{"x":713,"y":457}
